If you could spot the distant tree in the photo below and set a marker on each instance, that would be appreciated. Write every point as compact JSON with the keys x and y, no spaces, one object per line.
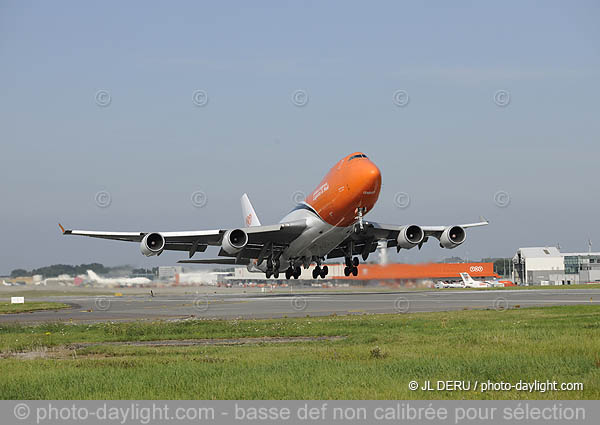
{"x":58,"y":269}
{"x":19,"y":272}
{"x":502,"y":266}
{"x":142,"y":271}
{"x":452,"y":260}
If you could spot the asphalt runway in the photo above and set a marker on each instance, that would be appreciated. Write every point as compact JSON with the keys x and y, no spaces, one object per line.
{"x":249,"y":306}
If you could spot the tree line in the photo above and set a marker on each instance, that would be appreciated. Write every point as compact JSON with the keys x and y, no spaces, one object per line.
{"x":58,"y":269}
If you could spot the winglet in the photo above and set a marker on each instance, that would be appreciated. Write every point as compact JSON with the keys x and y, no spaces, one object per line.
{"x":64,"y":231}
{"x":482,"y":218}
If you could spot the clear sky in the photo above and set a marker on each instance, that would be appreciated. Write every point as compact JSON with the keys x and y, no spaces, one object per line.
{"x":451,"y":148}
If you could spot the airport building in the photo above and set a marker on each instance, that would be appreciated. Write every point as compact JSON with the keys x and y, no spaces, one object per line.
{"x":548,"y":266}
{"x":168,"y":273}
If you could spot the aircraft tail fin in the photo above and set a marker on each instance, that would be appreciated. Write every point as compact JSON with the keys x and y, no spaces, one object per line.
{"x":93,"y":275}
{"x":248,"y":213}
{"x":467,"y":279}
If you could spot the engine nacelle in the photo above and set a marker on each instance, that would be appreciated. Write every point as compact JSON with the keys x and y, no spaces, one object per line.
{"x":410,"y":236}
{"x":452,"y":237}
{"x":234,"y":241}
{"x":152,"y":244}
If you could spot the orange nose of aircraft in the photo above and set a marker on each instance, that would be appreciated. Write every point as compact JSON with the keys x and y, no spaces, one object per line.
{"x":367,"y":181}
{"x":354,"y":182}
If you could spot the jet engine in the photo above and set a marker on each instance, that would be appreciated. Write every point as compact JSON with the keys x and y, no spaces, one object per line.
{"x":152,"y":244}
{"x":410,"y":236}
{"x":452,"y":237}
{"x":234,"y":241}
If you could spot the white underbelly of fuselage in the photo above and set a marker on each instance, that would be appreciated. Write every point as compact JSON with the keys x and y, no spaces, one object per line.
{"x":317,"y":240}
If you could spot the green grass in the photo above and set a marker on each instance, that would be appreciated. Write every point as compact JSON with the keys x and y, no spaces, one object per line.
{"x":30,"y":306}
{"x":38,"y":293}
{"x":378,"y":357}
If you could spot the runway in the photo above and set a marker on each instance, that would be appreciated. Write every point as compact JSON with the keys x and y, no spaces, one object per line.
{"x":255,"y":306}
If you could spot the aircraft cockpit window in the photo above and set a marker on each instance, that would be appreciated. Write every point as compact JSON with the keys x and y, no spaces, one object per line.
{"x":357,"y":156}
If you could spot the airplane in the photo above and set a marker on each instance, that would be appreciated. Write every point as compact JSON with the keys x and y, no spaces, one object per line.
{"x":495,"y":283}
{"x":117,"y":281}
{"x":329,"y":223}
{"x":60,"y":280}
{"x":470,"y":283}
{"x":442,"y":284}
{"x":5,"y":283}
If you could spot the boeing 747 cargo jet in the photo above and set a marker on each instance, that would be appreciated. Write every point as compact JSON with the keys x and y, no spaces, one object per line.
{"x":329,"y":223}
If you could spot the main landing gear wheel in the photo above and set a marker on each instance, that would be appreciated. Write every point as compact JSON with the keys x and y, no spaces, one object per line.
{"x":350,"y":270}
{"x":324,"y":271}
{"x":288,"y":273}
{"x":268,"y":273}
{"x":297,"y":272}
{"x":276,"y":273}
{"x":316,"y":272}
{"x":355,"y":261}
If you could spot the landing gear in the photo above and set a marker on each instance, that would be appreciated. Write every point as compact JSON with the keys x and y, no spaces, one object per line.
{"x":350,"y":270}
{"x":316,"y":272}
{"x":324,"y":271}
{"x":297,"y":272}
{"x":288,"y":273}
{"x":360,"y":211}
{"x":272,"y":267}
{"x":351,"y":266}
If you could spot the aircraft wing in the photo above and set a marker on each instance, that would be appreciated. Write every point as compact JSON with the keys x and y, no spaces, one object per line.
{"x":366,"y":240}
{"x":261,"y":239}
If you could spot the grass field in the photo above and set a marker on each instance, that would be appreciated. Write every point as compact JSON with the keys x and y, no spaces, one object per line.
{"x":376,"y":358}
{"x":37,"y":293}
{"x":30,"y":306}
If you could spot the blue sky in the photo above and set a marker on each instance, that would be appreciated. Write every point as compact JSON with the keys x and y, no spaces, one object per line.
{"x":451,"y":148}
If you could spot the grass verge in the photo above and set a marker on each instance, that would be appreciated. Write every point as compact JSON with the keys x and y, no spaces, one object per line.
{"x":7,"y":308}
{"x":377,"y":358}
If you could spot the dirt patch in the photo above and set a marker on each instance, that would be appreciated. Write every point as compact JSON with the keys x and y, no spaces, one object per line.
{"x":218,"y":341}
{"x":70,"y":351}
{"x":41,"y":353}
